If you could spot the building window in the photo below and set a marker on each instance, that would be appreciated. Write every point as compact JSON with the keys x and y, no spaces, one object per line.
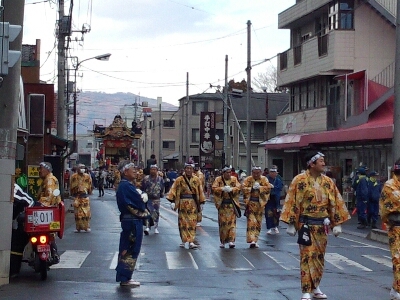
{"x":198,"y":107}
{"x":168,"y":145}
{"x":297,"y":55}
{"x":283,"y":59}
{"x":258,"y":133}
{"x":168,"y":123}
{"x":195,"y":135}
{"x":341,"y":14}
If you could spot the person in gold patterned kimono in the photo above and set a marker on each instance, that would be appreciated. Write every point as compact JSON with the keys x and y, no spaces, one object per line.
{"x":49,"y":184}
{"x":117,"y":179}
{"x":256,"y":192}
{"x":389,"y":207}
{"x":187,"y":197}
{"x":313,"y":199}
{"x":80,"y":189}
{"x":197,"y":172}
{"x":46,"y":197}
{"x":223,"y":188}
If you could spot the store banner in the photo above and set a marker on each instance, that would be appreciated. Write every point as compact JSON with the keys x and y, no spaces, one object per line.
{"x":207,"y":139}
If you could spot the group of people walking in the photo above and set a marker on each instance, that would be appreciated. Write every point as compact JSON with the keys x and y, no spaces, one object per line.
{"x":313,"y":206}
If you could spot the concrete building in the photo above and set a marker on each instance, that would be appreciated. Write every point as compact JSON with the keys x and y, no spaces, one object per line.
{"x":263,"y":109}
{"x":339,"y":70}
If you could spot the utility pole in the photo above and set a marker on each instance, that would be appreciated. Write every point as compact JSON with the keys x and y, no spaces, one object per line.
{"x":248,"y":121}
{"x":160,"y":154}
{"x":396,"y":117}
{"x":61,"y":103}
{"x":187,"y":117}
{"x":226,"y":154}
{"x":9,"y":99}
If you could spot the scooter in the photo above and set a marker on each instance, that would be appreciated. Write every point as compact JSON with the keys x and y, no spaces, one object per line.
{"x":41,"y":225}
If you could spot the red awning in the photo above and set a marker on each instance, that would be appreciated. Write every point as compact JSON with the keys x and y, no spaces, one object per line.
{"x":351,"y":76}
{"x":380,"y":127}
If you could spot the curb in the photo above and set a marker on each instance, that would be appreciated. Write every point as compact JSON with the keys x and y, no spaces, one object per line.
{"x":378,"y":235}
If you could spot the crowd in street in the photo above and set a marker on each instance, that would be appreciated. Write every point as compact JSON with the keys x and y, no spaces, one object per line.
{"x":313,"y":206}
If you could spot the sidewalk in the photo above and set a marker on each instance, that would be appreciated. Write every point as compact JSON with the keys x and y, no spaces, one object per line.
{"x":350,"y":227}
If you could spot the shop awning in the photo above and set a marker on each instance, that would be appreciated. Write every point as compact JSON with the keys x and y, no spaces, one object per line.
{"x":286,"y":141}
{"x":380,"y":127}
{"x":351,"y":76}
{"x":172,"y":156}
{"x":59,"y":141}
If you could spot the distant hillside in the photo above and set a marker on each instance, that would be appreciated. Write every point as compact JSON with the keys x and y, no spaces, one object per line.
{"x":101,"y":108}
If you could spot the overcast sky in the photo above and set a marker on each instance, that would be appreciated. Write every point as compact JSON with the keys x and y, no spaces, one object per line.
{"x":154,"y":43}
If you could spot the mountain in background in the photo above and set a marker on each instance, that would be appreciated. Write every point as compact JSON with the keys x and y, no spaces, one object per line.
{"x":101,"y":108}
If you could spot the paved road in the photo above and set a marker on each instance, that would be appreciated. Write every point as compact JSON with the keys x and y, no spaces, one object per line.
{"x":356,"y":268}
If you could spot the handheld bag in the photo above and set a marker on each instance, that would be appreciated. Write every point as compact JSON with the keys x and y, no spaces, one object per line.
{"x":304,"y":236}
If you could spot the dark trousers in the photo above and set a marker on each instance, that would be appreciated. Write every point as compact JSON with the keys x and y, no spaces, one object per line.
{"x":101,"y":190}
{"x":130,"y":243}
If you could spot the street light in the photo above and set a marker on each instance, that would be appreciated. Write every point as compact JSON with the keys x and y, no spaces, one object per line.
{"x":103,"y":57}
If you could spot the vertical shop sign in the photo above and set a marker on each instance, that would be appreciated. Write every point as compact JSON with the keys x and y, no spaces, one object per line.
{"x":207,"y":139}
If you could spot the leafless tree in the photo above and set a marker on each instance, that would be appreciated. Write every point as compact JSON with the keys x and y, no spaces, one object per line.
{"x":266,"y":81}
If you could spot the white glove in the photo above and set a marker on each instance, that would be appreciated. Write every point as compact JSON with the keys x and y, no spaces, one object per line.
{"x":327,"y":222}
{"x":145,"y":198}
{"x":291,"y":230}
{"x":337,"y":230}
{"x":139,"y":191}
{"x":256,"y":186}
{"x":172,"y":205}
{"x":227,"y":189}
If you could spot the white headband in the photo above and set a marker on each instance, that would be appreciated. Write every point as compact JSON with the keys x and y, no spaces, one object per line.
{"x":126,"y":167}
{"x":256,"y":168}
{"x":46,"y":166}
{"x":153,"y":166}
{"x":226,"y":169}
{"x":315,"y":157}
{"x":189,"y":165}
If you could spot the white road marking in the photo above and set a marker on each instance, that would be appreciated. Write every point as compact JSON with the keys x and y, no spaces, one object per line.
{"x":282,"y":260}
{"x":114,"y":261}
{"x":364,"y":244}
{"x":245,"y":269}
{"x":385,"y":260}
{"x":71,"y":259}
{"x":341,"y":262}
{"x":175,"y":261}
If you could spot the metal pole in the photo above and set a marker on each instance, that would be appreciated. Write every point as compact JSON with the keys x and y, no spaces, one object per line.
{"x":187,"y":117}
{"x":248,"y":121}
{"x":74,"y":144}
{"x":396,"y":117}
{"x":160,"y":154}
{"x":226,"y":154}
{"x":145,"y":139}
{"x":9,"y":93}
{"x":61,"y":103}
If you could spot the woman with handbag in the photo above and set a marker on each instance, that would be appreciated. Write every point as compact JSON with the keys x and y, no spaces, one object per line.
{"x":226,"y":191}
{"x":312,"y":205}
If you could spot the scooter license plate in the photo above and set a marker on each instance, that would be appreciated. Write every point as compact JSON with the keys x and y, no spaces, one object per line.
{"x":43,"y":248}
